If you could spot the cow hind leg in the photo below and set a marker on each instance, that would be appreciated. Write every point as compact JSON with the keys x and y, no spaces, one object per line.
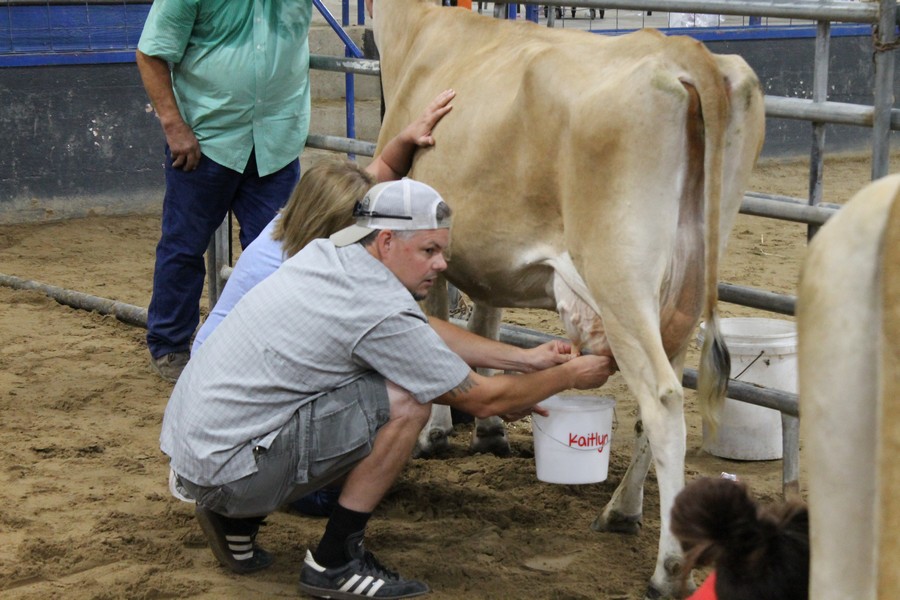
{"x":490,"y":433}
{"x":624,"y":512}
{"x":656,"y":383}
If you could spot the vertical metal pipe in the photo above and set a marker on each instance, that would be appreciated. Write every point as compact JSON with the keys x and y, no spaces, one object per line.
{"x":884,"y":87}
{"x":350,"y":100}
{"x":218,"y":256}
{"x":349,"y":83}
{"x":790,"y":465}
{"x":212,"y":278}
{"x":820,"y":94}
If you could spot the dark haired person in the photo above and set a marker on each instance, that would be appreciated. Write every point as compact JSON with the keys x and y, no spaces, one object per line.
{"x":757,"y":551}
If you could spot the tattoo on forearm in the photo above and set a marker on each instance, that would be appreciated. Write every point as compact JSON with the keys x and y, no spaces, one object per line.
{"x":466,"y":385}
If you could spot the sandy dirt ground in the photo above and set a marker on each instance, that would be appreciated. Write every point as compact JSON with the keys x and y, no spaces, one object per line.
{"x":85,"y":508}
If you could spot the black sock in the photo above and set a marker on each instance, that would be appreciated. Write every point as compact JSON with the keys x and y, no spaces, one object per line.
{"x":342,"y":523}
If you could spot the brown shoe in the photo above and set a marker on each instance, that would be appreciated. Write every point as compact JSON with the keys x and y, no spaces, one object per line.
{"x":169,"y":366}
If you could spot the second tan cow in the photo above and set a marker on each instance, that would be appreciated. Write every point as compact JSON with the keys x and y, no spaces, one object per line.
{"x":848,"y":319}
{"x":595,"y":176}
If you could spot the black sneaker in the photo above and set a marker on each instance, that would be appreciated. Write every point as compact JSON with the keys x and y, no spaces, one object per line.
{"x":233,"y":541}
{"x":362,"y":577}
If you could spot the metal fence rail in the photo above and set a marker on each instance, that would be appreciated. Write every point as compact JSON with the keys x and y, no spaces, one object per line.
{"x":824,"y":10}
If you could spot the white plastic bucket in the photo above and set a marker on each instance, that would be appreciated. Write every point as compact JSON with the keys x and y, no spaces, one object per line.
{"x":764,"y":352}
{"x":572,"y":444}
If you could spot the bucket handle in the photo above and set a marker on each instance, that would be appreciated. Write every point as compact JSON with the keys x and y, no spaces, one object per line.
{"x":752,"y":362}
{"x":565,"y":445}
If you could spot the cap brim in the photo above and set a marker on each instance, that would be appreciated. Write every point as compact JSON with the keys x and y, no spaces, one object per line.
{"x":349,"y":235}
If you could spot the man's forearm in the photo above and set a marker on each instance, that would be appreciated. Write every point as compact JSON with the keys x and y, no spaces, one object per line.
{"x":503,"y":394}
{"x":478,"y":351}
{"x":158,"y":83}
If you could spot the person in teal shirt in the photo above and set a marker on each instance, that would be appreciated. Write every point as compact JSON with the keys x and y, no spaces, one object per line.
{"x":230,"y":84}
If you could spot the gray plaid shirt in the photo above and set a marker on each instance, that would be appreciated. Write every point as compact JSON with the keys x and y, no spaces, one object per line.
{"x":326,"y":317}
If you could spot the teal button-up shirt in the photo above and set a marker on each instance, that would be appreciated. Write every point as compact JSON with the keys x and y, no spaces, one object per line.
{"x":240,"y":71}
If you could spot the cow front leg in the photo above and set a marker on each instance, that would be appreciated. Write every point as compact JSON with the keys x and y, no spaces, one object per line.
{"x":435,"y":436}
{"x":655,"y":381}
{"x":490,"y":433}
{"x":624,"y":511}
{"x":490,"y":437}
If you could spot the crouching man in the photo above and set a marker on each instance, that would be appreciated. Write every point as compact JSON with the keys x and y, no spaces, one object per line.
{"x":326,"y":370}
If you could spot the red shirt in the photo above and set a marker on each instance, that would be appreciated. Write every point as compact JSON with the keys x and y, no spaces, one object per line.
{"x":707,"y":591}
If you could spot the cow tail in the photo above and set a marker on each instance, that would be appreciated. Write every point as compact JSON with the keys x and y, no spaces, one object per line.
{"x":715,"y":361}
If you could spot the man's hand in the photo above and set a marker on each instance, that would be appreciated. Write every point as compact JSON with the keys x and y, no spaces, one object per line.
{"x":549,"y":354}
{"x":521,"y":414}
{"x":419,"y":131}
{"x":591,"y":371}
{"x":183,"y":146}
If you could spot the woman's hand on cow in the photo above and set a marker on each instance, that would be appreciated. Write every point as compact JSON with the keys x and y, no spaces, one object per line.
{"x":419,"y":132}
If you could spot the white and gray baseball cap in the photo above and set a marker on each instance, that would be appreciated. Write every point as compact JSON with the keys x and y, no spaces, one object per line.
{"x":404,"y":204}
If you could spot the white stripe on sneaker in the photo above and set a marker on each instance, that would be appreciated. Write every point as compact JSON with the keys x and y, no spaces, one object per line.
{"x":312,"y":562}
{"x":350,"y":583}
{"x":361,"y":588}
{"x":241,"y":546}
{"x":375,"y":587}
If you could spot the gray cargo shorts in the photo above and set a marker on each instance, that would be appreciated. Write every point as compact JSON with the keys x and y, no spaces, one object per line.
{"x":320,"y":443}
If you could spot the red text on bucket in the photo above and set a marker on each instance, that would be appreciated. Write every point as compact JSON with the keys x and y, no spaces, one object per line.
{"x":592,"y":440}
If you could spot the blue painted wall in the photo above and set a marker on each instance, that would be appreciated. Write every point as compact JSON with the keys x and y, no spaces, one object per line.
{"x":65,"y":34}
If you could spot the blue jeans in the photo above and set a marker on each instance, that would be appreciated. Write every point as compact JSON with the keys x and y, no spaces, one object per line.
{"x":194,"y":206}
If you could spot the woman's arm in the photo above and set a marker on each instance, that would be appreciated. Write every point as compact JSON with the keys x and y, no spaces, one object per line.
{"x":395,"y":160}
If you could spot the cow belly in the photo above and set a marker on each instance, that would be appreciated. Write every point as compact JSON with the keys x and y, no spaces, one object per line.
{"x":520,"y":279}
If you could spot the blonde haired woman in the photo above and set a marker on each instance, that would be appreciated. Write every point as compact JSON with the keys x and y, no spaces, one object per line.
{"x":321,"y":204}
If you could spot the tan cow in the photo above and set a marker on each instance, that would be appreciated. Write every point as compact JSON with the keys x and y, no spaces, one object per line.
{"x":848,"y":315}
{"x":582,"y":170}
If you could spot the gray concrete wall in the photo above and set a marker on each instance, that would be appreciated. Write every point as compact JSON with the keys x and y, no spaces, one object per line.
{"x":83,"y":139}
{"x":785,"y":68}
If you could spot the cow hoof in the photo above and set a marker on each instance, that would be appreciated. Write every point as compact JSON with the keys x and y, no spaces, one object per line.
{"x":618,"y":523}
{"x":655,"y":593}
{"x":490,"y":442}
{"x":437,"y":442}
